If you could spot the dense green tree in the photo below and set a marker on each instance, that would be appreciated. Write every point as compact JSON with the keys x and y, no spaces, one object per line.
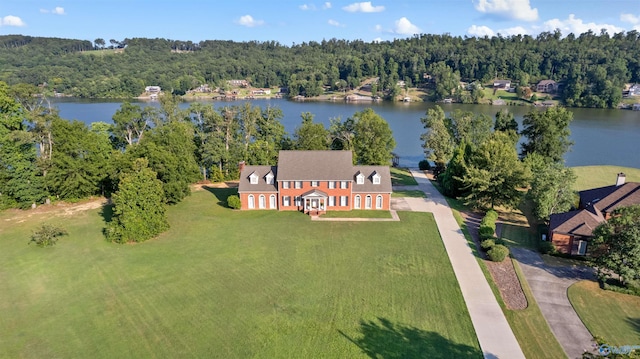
{"x":495,"y":175}
{"x":551,"y":188}
{"x":615,"y":248}
{"x":79,"y":167}
{"x":452,"y":178}
{"x":170,"y":150}
{"x":547,"y":133}
{"x":130,"y":124}
{"x":373,"y":140}
{"x":505,"y":122}
{"x":341,"y":133}
{"x":138,"y":206}
{"x":310,"y":135}
{"x":438,"y":144}
{"x":20,"y":180}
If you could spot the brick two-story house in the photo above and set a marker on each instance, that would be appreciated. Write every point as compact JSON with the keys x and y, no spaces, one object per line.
{"x":315,"y":182}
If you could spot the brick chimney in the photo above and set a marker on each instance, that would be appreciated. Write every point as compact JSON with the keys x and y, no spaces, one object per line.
{"x":621,"y":178}
{"x":240,"y":166}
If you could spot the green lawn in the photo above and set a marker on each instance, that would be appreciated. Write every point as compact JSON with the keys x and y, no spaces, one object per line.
{"x":357,"y":213}
{"x":402,"y":177}
{"x":614,"y":317}
{"x":409,"y":193}
{"x":520,"y":236}
{"x":601,"y":176}
{"x":232,"y":284}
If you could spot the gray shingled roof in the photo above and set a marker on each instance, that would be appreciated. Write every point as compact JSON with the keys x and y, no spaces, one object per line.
{"x":624,"y":195}
{"x":580,"y":222}
{"x":262,"y":186}
{"x":315,"y":165}
{"x":368,"y":186}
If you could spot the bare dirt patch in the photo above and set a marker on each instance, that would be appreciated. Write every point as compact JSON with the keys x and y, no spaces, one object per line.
{"x":503,"y":273}
{"x":57,"y":209}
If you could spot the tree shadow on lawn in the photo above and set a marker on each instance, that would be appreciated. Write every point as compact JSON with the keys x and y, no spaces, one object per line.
{"x":221,"y":194}
{"x":106,"y":212}
{"x":635,"y":324}
{"x":384,"y":339}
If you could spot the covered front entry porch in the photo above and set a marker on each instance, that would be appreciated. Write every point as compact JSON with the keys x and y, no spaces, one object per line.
{"x":314,"y":202}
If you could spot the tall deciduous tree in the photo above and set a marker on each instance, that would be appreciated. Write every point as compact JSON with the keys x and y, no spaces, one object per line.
{"x":373,"y":140}
{"x":310,"y":135}
{"x":20,"y":182}
{"x":130,"y":124}
{"x":547,"y":133}
{"x":615,"y":247}
{"x":138,"y":206}
{"x":79,"y":168}
{"x":494,"y":174}
{"x":505,"y":122}
{"x":438,"y":144}
{"x":551,"y":186}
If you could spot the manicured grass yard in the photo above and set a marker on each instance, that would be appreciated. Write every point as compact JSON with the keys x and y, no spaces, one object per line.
{"x":232,"y":284}
{"x":408,"y":193}
{"x":601,"y":176}
{"x":402,"y":177}
{"x":614,"y":317}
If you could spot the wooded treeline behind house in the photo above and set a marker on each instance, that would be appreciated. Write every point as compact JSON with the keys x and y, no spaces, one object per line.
{"x":592,"y":68}
{"x":43,"y":156}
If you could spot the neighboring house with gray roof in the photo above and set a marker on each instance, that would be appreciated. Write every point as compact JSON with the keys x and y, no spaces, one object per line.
{"x":315,"y":182}
{"x":571,"y":231}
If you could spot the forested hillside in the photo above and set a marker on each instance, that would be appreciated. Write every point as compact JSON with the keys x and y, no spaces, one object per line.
{"x":593,"y":68}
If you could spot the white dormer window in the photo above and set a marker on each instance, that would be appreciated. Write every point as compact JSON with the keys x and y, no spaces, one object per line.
{"x":376,"y":178}
{"x":360,"y":178}
{"x":253,"y":178}
{"x":269,"y":178}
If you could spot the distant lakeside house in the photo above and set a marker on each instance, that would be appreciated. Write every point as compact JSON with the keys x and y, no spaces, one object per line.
{"x":502,"y":85}
{"x":547,"y":86}
{"x":314,"y":182}
{"x":570,"y":232}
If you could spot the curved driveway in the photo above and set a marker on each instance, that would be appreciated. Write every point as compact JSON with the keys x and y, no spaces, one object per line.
{"x":492,"y":329}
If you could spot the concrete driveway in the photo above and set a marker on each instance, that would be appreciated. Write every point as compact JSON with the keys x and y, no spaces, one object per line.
{"x":549,"y":285}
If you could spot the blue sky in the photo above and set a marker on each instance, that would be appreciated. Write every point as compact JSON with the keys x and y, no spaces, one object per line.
{"x":289,"y":21}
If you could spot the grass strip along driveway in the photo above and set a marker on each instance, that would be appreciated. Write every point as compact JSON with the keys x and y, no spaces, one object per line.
{"x":232,"y":284}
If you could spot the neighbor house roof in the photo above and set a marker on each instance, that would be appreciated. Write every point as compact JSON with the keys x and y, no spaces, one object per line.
{"x":580,"y":222}
{"x":315,"y":166}
{"x":546,"y":82}
{"x":607,"y":199}
{"x":368,"y":186}
{"x":595,"y":203}
{"x":262,"y":185}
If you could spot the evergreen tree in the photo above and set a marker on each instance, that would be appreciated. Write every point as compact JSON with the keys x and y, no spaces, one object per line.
{"x":138,"y":206}
{"x":438,"y":144}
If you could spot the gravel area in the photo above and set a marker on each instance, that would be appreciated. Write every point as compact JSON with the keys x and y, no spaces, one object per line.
{"x":503,"y":273}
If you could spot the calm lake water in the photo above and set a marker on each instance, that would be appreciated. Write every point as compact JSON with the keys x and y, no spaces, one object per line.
{"x":600,"y":137}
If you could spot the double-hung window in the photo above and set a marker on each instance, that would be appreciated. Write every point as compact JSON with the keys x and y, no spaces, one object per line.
{"x":344,"y":184}
{"x":315,"y":183}
{"x":332,"y":184}
{"x":298,"y":184}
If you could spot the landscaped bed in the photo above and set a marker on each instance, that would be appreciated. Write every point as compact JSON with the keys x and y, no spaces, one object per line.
{"x":358,"y":213}
{"x":232,"y":284}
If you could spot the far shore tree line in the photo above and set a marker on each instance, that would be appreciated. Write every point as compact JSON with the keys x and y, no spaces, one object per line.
{"x":593,"y":68}
{"x":149,"y":157}
{"x":481,"y":165}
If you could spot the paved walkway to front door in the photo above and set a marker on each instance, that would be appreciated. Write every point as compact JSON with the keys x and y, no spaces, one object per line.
{"x":492,"y":329}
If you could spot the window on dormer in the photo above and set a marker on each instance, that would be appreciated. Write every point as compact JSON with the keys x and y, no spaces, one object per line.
{"x":269,"y":178}
{"x":360,"y":178}
{"x":253,"y":178}
{"x":376,"y":178}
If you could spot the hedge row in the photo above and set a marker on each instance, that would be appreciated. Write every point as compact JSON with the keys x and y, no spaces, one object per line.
{"x":496,"y":251}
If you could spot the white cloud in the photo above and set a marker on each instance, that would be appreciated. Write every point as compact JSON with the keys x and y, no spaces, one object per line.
{"x":577,"y":26}
{"x":335,"y":23}
{"x":305,"y":7}
{"x":517,"y":30}
{"x":405,"y":27}
{"x":630,"y":18}
{"x":327,"y":5}
{"x":480,"y":31}
{"x":378,"y":28}
{"x":11,"y":20}
{"x":509,"y":9}
{"x":363,"y":7}
{"x":249,"y":21}
{"x":57,"y":11}
{"x":377,"y":40}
